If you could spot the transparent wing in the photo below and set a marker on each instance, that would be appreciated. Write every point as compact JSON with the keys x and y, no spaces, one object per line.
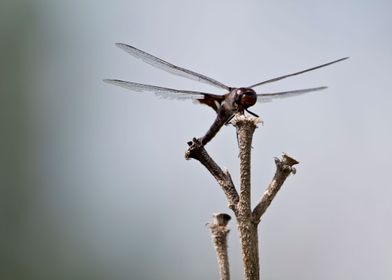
{"x":268,"y":97}
{"x":171,"y":68}
{"x":297,"y":73}
{"x":163,"y":92}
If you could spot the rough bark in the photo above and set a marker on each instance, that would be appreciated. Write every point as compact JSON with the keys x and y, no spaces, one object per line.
{"x":219,"y":232}
{"x":246,"y":227}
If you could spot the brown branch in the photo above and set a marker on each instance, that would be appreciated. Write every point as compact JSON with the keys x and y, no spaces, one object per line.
{"x":284,"y":167}
{"x":247,"y":220}
{"x":246,"y":126}
{"x":219,"y":233}
{"x":245,"y":129}
{"x":197,"y":151}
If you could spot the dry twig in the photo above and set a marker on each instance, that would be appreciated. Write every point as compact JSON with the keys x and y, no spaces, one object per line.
{"x":247,"y":220}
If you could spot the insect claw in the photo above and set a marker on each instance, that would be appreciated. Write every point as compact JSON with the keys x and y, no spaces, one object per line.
{"x":253,"y":114}
{"x":229,"y":119}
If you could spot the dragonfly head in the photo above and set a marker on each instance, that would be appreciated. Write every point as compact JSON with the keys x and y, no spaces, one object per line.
{"x":245,"y":97}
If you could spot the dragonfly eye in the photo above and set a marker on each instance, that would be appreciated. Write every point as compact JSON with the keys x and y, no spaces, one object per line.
{"x":248,"y":98}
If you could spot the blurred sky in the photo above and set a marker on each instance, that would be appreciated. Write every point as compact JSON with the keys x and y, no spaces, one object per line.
{"x":94,"y":182}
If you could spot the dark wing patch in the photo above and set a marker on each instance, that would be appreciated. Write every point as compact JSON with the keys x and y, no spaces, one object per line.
{"x":212,"y":100}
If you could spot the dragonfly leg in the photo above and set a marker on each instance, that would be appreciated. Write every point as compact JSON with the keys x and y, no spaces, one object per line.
{"x":229,"y":119}
{"x":253,"y":114}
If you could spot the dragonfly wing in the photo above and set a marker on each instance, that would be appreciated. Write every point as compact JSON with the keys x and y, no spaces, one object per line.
{"x":297,"y":73}
{"x":163,"y":92}
{"x":171,"y":68}
{"x":268,"y":97}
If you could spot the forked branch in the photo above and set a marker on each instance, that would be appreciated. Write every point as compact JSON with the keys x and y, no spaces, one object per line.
{"x":240,"y":203}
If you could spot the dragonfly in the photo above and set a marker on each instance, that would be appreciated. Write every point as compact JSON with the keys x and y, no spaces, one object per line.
{"x":235,"y":100}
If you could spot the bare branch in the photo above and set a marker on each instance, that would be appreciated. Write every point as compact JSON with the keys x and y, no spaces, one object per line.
{"x":197,"y":151}
{"x":247,"y":220}
{"x":246,"y":126}
{"x":284,"y":167}
{"x":219,"y":233}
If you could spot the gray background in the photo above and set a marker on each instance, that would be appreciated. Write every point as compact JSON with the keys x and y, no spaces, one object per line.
{"x":94,"y":182}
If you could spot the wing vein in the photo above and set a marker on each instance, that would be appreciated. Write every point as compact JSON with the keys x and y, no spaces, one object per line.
{"x":297,"y":73}
{"x":268,"y":97}
{"x":168,"y":67}
{"x":163,"y":92}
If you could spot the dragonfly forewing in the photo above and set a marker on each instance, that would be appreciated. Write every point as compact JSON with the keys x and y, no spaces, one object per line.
{"x":171,"y":68}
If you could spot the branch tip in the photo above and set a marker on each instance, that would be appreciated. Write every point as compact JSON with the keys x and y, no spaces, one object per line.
{"x":219,"y":233}
{"x":221,"y":219}
{"x":195,"y":147}
{"x":240,"y":119}
{"x":289,"y":160}
{"x":286,"y":163}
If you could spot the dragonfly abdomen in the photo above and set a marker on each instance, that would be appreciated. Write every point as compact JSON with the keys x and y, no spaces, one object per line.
{"x":223,"y":116}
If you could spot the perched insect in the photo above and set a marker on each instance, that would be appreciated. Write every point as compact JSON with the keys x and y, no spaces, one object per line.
{"x":236,"y":100}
